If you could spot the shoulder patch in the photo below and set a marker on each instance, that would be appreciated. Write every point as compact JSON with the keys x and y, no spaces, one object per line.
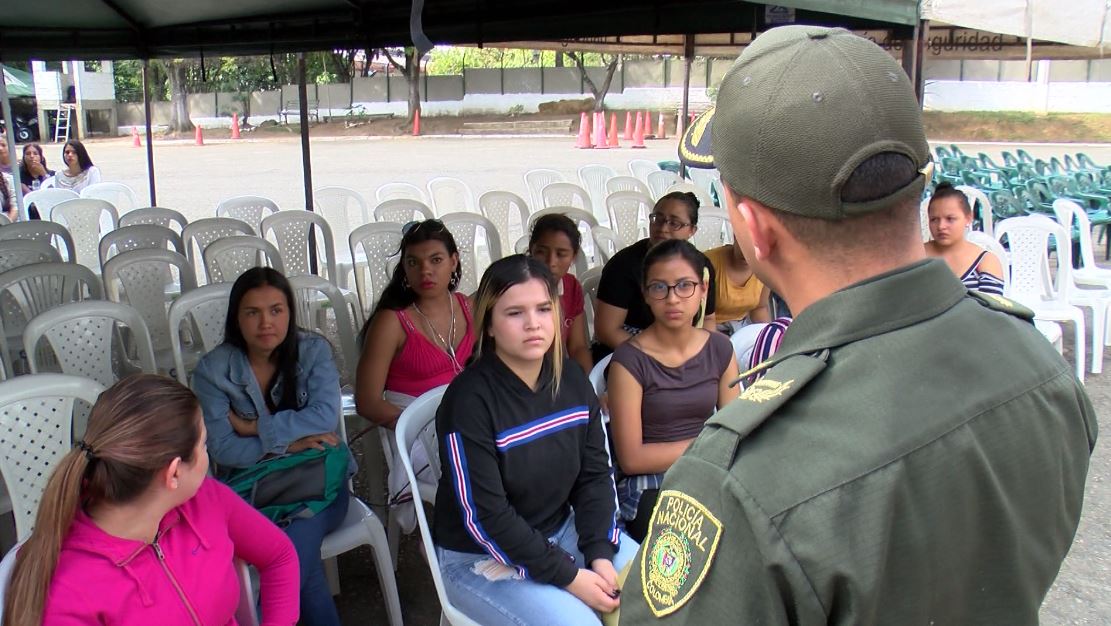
{"x":1004,"y":305}
{"x":760,"y":400}
{"x":682,"y":540}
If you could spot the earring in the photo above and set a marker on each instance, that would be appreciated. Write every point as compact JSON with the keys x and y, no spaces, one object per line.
{"x":453,"y":283}
{"x":405,"y":282}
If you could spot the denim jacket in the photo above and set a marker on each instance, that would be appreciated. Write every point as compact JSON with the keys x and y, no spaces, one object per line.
{"x":224,"y":380}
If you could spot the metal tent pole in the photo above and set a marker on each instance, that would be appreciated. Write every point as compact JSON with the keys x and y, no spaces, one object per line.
{"x":688,"y":57}
{"x":150,"y":132}
{"x":9,"y":137}
{"x":306,"y":156}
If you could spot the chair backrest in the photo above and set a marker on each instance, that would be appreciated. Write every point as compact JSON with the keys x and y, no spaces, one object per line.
{"x":536,"y":180}
{"x":627,"y":183}
{"x":118,"y":194}
{"x":82,"y":217}
{"x":250,"y":209}
{"x":704,"y":199}
{"x":207,"y":308}
{"x":712,"y":226}
{"x":143,"y":276}
{"x":315,"y":297}
{"x":628,"y":213}
{"x":139,"y":237}
{"x":590,"y":280}
{"x":744,"y":340}
{"x":50,"y":233}
{"x":197,"y":235}
{"x":641,"y":168}
{"x":418,"y":422}
{"x":450,"y":195}
{"x":1068,"y":210}
{"x":290,"y":230}
{"x":372,"y":245}
{"x":598,"y":375}
{"x":82,"y":337}
{"x":45,"y":199}
{"x":226,"y":259}
{"x":703,"y":178}
{"x":1028,"y":240}
{"x":464,"y":229}
{"x":157,"y":216}
{"x":981,"y":206}
{"x":605,"y":245}
{"x":402,"y":211}
{"x":344,"y":209}
{"x":38,"y":418}
{"x":19,"y":252}
{"x":594,"y":179}
{"x":583,"y":219}
{"x":660,"y":181}
{"x":399,"y":191}
{"x":566,"y":194}
{"x":500,"y":207}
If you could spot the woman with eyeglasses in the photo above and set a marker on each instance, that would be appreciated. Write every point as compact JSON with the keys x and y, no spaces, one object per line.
{"x":418,"y":338}
{"x":620,"y":310}
{"x":665,"y":382}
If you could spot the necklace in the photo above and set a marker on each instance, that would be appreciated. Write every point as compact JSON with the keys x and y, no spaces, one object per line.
{"x":448,"y":343}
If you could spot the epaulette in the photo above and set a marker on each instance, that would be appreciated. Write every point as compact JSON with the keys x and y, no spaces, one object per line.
{"x":1003,"y":305}
{"x":780,"y":382}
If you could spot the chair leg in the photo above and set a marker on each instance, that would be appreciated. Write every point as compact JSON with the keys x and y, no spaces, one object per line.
{"x":1099,"y":317}
{"x":383,"y":562}
{"x":1078,"y":347}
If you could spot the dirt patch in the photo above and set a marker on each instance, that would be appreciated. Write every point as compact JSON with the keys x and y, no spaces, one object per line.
{"x":1019,"y":127}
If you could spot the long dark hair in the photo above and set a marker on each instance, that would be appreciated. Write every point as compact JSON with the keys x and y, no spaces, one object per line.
{"x":686,"y":198}
{"x":672,"y":248}
{"x":398,"y":295}
{"x":496,"y":280}
{"x":286,"y":354}
{"x":82,"y":154}
{"x":24,"y":173}
{"x":136,"y":428}
{"x":556,"y":223}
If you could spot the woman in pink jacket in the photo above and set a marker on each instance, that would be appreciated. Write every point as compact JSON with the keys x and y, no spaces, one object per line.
{"x":130,"y":530}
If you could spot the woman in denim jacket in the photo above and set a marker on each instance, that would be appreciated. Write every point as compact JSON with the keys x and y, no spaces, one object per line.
{"x":272,"y":389}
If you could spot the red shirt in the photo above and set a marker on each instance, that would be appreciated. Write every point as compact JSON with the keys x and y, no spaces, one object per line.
{"x":570,"y":303}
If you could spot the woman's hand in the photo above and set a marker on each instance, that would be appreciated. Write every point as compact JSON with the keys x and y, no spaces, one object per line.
{"x":605,"y":569}
{"x":316,"y":442}
{"x":595,"y":591}
{"x":242,"y":427}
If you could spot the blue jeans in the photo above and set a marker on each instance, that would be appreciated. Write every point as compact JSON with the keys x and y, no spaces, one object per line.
{"x":317,"y":606}
{"x":517,"y":601}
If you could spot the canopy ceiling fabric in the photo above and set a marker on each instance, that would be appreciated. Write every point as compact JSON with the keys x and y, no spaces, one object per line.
{"x":1076,"y":22}
{"x":113,"y":29}
{"x":19,"y":83}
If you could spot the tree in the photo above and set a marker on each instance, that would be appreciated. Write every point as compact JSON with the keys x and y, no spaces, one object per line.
{"x":598,"y":91}
{"x":176,"y":70}
{"x":411,"y":72}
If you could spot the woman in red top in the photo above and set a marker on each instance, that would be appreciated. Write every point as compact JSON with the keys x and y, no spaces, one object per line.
{"x":555,"y":242}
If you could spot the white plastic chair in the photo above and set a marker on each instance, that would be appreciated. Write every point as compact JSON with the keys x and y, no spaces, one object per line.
{"x":402,"y":211}
{"x":19,"y":252}
{"x":924,"y":219}
{"x":250,"y":209}
{"x":1088,"y":274}
{"x":139,"y":237}
{"x":712,"y":225}
{"x":598,"y":377}
{"x":139,"y":279}
{"x":226,"y":259}
{"x":660,"y":181}
{"x":703,"y":179}
{"x":87,"y":220}
{"x":450,"y":195}
{"x":399,"y":191}
{"x":315,"y":297}
{"x":83,"y":337}
{"x":704,"y":199}
{"x":500,"y":207}
{"x":536,"y":180}
{"x":628,"y":215}
{"x":344,"y":209}
{"x":464,"y":228}
{"x":567,"y":194}
{"x":594,"y":179}
{"x":206,"y":308}
{"x":983,"y":240}
{"x":605,"y":245}
{"x":290,"y":231}
{"x":744,"y":340}
{"x":197,"y":235}
{"x":583,"y":219}
{"x":118,"y":194}
{"x":1028,"y":237}
{"x":418,"y":422}
{"x":39,"y":417}
{"x":50,"y":233}
{"x":1052,"y":333}
{"x":718,"y":189}
{"x":976,"y":197}
{"x":372,"y":245}
{"x":44,"y":199}
{"x":590,"y":280}
{"x":641,"y":168}
{"x":157,"y":216}
{"x":627,"y":183}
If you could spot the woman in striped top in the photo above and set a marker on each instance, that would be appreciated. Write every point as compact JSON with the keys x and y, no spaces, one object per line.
{"x":950,"y":216}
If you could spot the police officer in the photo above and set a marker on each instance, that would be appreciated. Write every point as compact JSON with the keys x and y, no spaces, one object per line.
{"x":914,"y":453}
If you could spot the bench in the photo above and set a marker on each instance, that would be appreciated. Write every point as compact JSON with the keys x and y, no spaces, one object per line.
{"x":293,"y":107}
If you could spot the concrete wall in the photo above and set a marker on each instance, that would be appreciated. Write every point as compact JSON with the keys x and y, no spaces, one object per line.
{"x":202,"y":104}
{"x":644,"y":73}
{"x":444,"y":88}
{"x":483,"y":81}
{"x":561,"y":80}
{"x":266,"y":102}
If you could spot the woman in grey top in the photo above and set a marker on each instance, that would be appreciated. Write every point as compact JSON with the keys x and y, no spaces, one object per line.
{"x":665,"y":382}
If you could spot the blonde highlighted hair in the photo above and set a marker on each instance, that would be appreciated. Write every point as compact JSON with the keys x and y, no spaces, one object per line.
{"x":496,"y":280}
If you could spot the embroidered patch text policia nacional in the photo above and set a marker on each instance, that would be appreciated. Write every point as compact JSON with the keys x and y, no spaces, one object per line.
{"x":682,"y":539}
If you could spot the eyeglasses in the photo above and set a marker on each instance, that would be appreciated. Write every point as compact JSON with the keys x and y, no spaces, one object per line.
{"x":659,"y":219}
{"x":409,"y":227}
{"x":660,"y":291}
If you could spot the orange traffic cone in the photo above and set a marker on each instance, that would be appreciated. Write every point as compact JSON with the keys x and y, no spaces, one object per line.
{"x":628,"y":125}
{"x":600,"y":131}
{"x":638,"y":135}
{"x":135,"y":143}
{"x":661,"y":132}
{"x":612,"y":142}
{"x":198,"y":137}
{"x":416,"y":122}
{"x":584,"y":132}
{"x":235,"y":126}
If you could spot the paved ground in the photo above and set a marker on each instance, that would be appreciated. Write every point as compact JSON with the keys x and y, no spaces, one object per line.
{"x":193,"y":179}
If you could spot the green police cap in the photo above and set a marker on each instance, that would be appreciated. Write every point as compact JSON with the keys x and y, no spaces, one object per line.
{"x":800,"y":109}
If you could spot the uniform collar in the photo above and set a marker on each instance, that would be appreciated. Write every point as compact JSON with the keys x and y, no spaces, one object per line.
{"x":881,"y":304}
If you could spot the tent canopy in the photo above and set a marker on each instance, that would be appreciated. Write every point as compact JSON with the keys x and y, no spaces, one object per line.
{"x":112,"y":29}
{"x":19,"y":83}
{"x":1076,"y":22}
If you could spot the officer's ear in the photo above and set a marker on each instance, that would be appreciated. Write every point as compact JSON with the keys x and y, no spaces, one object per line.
{"x":754,"y":224}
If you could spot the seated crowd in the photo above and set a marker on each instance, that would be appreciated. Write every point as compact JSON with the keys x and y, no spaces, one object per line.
{"x":534,"y":518}
{"x":78,"y":173}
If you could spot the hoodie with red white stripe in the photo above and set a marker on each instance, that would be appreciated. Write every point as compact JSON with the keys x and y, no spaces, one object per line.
{"x":515,"y":462}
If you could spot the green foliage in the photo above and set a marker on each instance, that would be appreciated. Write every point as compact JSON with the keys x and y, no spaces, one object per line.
{"x":128,"y":77}
{"x":450,"y":60}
